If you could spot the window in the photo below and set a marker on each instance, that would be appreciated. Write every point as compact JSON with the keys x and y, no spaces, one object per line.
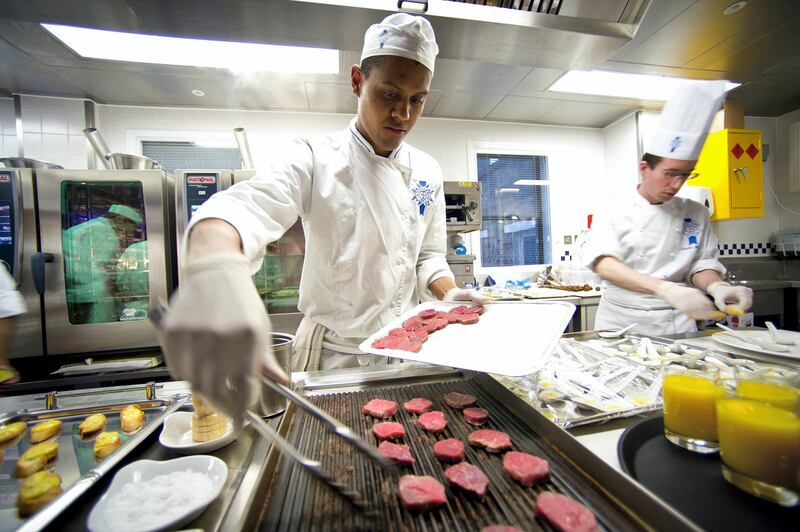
{"x":515,"y":201}
{"x":172,"y":155}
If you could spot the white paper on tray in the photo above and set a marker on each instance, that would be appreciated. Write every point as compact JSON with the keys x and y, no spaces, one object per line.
{"x":511,"y":338}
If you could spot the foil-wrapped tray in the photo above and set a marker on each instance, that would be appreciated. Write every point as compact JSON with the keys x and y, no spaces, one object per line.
{"x":589,"y":379}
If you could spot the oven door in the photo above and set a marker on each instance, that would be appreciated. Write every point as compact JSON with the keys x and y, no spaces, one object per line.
{"x":107,"y":233}
{"x":17,"y":247}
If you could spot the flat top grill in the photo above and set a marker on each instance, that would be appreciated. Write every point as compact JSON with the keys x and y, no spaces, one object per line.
{"x":296,"y":501}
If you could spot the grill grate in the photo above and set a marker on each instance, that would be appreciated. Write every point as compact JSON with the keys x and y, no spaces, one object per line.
{"x":297,"y":501}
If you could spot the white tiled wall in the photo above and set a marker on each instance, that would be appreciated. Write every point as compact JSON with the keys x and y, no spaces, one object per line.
{"x":53,"y":130}
{"x":8,"y":129}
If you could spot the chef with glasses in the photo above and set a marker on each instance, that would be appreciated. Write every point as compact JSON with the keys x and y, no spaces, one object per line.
{"x":656,"y":251}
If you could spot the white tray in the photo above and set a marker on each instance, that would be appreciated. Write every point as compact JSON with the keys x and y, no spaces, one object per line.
{"x":511,"y":338}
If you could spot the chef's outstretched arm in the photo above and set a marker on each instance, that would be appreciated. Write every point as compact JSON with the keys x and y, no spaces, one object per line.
{"x":445,"y":288}
{"x":690,"y":301}
{"x":725,"y":295}
{"x":216,"y":333}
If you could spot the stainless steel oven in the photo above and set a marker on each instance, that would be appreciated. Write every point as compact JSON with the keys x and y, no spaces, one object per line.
{"x":278,"y":279}
{"x":192,"y":189}
{"x":107,"y":240}
{"x":18,"y":248}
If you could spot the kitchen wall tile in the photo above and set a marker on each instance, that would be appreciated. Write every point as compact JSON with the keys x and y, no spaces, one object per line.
{"x":76,"y":124}
{"x":54,"y":123}
{"x":55,"y":145}
{"x":78,"y":145}
{"x":32,"y":143}
{"x":31,"y":121}
{"x":8,"y":125}
{"x":76,"y":162}
{"x":10,"y":146}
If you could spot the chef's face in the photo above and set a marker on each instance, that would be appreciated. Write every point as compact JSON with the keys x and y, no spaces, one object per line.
{"x":390,"y":99}
{"x":665,"y":179}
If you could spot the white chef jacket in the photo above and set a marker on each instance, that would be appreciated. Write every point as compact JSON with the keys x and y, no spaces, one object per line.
{"x":11,"y":301}
{"x":670,"y":241}
{"x":374,"y":226}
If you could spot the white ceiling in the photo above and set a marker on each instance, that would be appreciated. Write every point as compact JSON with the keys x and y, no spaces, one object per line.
{"x":757,"y":46}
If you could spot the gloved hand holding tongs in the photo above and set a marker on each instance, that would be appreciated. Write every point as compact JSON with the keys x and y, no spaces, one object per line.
{"x":216,"y":333}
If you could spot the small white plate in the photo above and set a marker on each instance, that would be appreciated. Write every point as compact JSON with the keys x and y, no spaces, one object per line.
{"x":730,"y":340}
{"x":101,"y":519}
{"x":177,"y":435}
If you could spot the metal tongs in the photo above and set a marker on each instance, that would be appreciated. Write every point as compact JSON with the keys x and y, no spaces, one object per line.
{"x":313,"y":466}
{"x":157,"y":315}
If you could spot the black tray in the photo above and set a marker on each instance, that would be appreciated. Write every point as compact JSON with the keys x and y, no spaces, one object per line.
{"x":692,"y":483}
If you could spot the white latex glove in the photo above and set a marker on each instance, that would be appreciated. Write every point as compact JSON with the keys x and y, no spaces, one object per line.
{"x":690,"y":301}
{"x":216,"y":333}
{"x":465,"y":294}
{"x":725,"y":295}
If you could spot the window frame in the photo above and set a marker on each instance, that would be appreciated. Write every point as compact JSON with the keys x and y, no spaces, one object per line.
{"x":474,"y":238}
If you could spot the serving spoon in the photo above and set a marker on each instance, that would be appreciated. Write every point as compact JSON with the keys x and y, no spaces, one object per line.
{"x":763,"y":344}
{"x":777,"y":337}
{"x":616,"y":334}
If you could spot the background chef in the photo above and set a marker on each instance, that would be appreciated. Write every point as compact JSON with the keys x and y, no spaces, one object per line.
{"x":657,"y":251}
{"x":372,"y":209}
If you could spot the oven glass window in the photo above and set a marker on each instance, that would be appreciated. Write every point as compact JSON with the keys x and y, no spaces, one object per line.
{"x":278,"y":279}
{"x":104,"y":237}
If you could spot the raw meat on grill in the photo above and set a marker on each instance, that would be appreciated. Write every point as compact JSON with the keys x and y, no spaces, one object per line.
{"x":525,"y":468}
{"x":418,"y":405}
{"x":468,"y":478}
{"x":476,"y":416}
{"x":380,"y":408}
{"x":421,"y":492}
{"x":460,"y":400}
{"x":493,"y":441}
{"x":397,"y":452}
{"x":434,"y":422}
{"x":501,"y":528}
{"x":388,"y":430}
{"x":449,"y":450}
{"x":564,"y":513}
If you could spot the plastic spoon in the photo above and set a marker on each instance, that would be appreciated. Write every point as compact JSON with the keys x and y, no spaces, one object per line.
{"x":616,"y":334}
{"x":777,"y":337}
{"x":754,"y":341}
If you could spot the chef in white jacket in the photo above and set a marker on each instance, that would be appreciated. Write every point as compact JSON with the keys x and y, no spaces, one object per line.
{"x":657,"y":251}
{"x":372,"y":209}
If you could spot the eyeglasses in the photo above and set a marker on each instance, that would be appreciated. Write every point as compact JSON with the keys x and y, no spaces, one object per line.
{"x":683,"y":176}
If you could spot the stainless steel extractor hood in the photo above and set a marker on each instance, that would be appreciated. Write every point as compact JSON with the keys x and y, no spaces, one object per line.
{"x":566,"y":34}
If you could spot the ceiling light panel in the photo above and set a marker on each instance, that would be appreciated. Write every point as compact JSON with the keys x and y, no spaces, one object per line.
{"x":237,"y":56}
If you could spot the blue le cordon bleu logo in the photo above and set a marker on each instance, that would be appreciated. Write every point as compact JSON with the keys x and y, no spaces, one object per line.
{"x":422,"y":194}
{"x":691,"y":231}
{"x":675,"y":144}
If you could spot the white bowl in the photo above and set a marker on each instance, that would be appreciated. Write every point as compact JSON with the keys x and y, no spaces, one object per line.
{"x":177,"y":435}
{"x":102,"y":519}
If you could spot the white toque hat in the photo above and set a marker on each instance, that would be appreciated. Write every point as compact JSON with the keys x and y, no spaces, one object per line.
{"x":684,"y":122}
{"x":402,"y":35}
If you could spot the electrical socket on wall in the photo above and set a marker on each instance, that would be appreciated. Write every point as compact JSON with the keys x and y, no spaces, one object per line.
{"x":567,"y":239}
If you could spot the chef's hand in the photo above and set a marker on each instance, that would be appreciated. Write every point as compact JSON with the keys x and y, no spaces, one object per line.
{"x":216,"y":333}
{"x":465,"y":294}
{"x":725,"y":295}
{"x":690,"y":301}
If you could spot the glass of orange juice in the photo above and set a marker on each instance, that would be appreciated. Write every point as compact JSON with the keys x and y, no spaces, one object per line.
{"x":690,"y":417}
{"x":758,"y":422}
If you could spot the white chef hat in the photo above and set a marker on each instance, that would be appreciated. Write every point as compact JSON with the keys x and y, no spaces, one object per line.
{"x":684,"y":122}
{"x":402,"y":35}
{"x":128,"y":212}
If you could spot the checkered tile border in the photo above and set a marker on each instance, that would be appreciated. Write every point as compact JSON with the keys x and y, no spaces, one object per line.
{"x":746,"y":248}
